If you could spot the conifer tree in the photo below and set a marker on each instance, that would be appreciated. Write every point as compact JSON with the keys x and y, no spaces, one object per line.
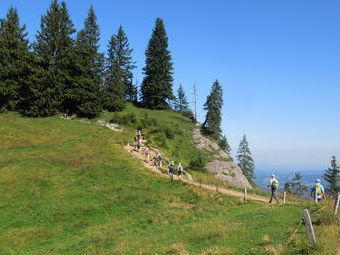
{"x":119,"y":75}
{"x":86,"y":94}
{"x":156,"y":88}
{"x":181,"y":103}
{"x":213,"y":106}
{"x":54,"y":49}
{"x":14,"y":61}
{"x":245,"y":160}
{"x":224,"y":144}
{"x":332,"y":176}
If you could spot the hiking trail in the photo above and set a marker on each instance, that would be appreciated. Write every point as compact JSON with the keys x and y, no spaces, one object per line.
{"x":163,"y":172}
{"x":186,"y":177}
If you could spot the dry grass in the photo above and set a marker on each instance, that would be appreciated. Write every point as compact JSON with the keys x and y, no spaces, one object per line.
{"x":265,"y":239}
{"x":274,"y":249}
{"x":218,"y":251}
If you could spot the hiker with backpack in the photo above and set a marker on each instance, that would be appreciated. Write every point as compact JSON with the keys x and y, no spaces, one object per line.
{"x":171,"y":169}
{"x":318,"y":191}
{"x":159,"y":159}
{"x":179,"y":170}
{"x":273,"y":184}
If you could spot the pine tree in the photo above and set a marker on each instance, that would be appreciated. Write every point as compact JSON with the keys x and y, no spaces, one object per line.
{"x":14,"y":61}
{"x":245,"y":160}
{"x":296,"y":186}
{"x":86,"y":94}
{"x":332,"y":176}
{"x":54,"y":49}
{"x":181,"y":103}
{"x":224,"y":144}
{"x":213,"y":106}
{"x":119,"y":75}
{"x":156,"y":88}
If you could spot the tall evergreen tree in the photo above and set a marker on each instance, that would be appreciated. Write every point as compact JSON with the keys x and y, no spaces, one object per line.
{"x":156,"y":88}
{"x":181,"y":103}
{"x":119,"y":75}
{"x":245,"y":160}
{"x":54,"y":48}
{"x":332,"y":176}
{"x":14,"y":60}
{"x":213,"y":106}
{"x":224,"y":144}
{"x":86,"y":94}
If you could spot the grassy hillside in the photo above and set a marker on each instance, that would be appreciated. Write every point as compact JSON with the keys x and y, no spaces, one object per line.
{"x":68,"y":187}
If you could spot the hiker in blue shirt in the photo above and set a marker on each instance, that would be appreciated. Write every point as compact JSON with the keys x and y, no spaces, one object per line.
{"x":318,"y":190}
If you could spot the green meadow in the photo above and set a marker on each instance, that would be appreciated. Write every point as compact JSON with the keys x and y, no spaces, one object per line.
{"x":68,"y":187}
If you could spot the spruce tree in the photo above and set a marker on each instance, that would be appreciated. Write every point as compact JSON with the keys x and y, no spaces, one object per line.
{"x":213,"y":106}
{"x":119,"y":75}
{"x":86,"y":94}
{"x":245,"y":160}
{"x":181,"y":103}
{"x":156,"y":88}
{"x":14,"y":61}
{"x":224,"y":144}
{"x":54,"y":49}
{"x":332,"y":176}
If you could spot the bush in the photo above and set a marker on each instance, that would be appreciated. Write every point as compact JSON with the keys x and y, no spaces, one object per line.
{"x":198,"y":163}
{"x":147,"y":122}
{"x":126,"y":119}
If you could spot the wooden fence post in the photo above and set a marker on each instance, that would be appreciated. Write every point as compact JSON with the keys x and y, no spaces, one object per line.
{"x":284,"y":198}
{"x":201,"y":182}
{"x":336,"y":205}
{"x":245,"y":194}
{"x":310,"y":230}
{"x":216,"y":187}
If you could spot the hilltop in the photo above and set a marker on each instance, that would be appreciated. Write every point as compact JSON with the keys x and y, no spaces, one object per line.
{"x":69,"y":187}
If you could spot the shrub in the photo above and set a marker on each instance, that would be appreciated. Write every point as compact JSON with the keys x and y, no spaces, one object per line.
{"x":147,"y":122}
{"x":125,"y":119}
{"x":198,"y":163}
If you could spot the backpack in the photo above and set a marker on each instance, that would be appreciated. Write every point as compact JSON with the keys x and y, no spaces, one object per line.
{"x":318,"y":190}
{"x":275,"y":184}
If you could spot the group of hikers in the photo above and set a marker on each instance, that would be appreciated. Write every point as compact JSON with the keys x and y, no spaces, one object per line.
{"x":317,"y":191}
{"x":158,"y":159}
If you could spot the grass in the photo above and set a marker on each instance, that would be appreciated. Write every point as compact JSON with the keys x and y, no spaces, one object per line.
{"x":68,"y":187}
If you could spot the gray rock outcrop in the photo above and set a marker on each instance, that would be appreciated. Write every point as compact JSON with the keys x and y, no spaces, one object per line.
{"x":223,"y":168}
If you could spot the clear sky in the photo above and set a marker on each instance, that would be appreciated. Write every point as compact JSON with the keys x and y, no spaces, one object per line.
{"x":278,"y":63}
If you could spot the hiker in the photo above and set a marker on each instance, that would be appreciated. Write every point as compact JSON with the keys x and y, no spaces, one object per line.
{"x":179,"y":170}
{"x":318,"y":190}
{"x":171,"y":169}
{"x":273,"y":184}
{"x":138,"y":145}
{"x":159,"y":159}
{"x":147,"y":154}
{"x":139,"y":134}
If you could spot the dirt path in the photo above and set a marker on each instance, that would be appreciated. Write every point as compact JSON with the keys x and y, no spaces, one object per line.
{"x":187,"y":177}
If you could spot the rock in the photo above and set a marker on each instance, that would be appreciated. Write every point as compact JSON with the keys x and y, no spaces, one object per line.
{"x":224,"y":169}
{"x":228,"y":172}
{"x":204,"y":143}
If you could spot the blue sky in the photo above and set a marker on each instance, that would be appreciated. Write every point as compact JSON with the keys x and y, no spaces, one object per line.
{"x":278,"y":63}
